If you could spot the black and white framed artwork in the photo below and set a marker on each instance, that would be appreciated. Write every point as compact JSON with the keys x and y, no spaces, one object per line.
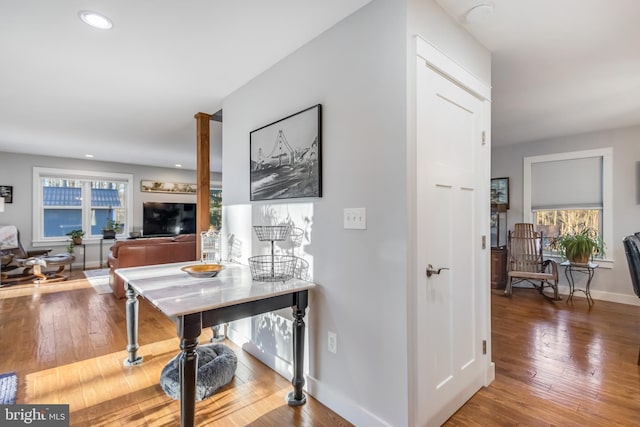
{"x":286,"y":157}
{"x":6,"y":192}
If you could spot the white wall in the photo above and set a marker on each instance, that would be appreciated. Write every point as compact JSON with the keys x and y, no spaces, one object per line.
{"x":358,"y":71}
{"x":431,"y":22}
{"x":609,"y":284}
{"x":17,"y":170}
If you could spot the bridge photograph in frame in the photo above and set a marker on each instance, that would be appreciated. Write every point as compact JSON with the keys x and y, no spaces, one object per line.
{"x":286,"y":157}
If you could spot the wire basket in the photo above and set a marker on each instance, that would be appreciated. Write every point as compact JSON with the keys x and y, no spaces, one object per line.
{"x":272,"y":268}
{"x":210,"y":247}
{"x":272,"y":232}
{"x":296,"y":237}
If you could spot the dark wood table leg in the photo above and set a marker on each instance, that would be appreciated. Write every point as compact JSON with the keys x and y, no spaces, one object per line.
{"x":297,"y":397}
{"x":132,"y":328}
{"x":189,"y":329}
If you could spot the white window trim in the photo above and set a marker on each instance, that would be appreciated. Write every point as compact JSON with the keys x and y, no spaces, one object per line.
{"x":39,"y":172}
{"x":607,"y":191}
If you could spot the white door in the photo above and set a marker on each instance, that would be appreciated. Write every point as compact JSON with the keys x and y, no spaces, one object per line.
{"x":452,"y":200}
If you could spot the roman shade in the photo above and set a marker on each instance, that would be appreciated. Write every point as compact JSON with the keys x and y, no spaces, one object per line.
{"x":574,"y":183}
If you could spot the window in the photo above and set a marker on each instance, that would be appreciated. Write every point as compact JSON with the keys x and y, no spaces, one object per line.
{"x":568,"y":191}
{"x":66,"y":200}
{"x":215,"y":208}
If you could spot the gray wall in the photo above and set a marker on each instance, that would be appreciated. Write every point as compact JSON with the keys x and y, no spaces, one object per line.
{"x":358,"y":71}
{"x":609,"y":284}
{"x":17,"y":170}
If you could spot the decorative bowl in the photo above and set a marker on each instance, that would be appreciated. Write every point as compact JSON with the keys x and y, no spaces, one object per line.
{"x":202,"y":270}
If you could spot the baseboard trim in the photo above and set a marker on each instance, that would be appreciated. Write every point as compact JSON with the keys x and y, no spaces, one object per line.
{"x":597,"y":295}
{"x":604,"y":296}
{"x":342,"y":405}
{"x":328,"y":396}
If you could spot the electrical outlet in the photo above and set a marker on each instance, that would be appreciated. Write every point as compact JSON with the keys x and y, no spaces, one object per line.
{"x":355,"y":218}
{"x":332,"y":343}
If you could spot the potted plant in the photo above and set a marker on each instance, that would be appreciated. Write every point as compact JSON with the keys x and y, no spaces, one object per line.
{"x":111,"y":228}
{"x":76,"y":236}
{"x":580,"y":246}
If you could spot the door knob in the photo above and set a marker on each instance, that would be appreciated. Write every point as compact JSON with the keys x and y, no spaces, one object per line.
{"x":431,"y":270}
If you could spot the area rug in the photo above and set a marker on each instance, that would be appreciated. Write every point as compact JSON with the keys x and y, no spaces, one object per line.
{"x":99,"y":279}
{"x":8,"y":388}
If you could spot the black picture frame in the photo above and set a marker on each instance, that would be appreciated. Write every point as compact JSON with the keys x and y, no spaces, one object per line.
{"x":500,"y":191}
{"x":286,"y":157}
{"x":6,"y":191}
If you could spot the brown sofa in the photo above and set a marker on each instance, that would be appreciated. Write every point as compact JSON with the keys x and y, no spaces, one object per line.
{"x":139,"y":252}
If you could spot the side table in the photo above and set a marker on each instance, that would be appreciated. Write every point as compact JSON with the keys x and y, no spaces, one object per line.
{"x":84,"y":258}
{"x":103,"y":238}
{"x":589,"y":269}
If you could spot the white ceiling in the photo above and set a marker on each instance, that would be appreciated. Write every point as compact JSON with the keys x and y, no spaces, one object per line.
{"x":559,"y":67}
{"x":130,"y":94}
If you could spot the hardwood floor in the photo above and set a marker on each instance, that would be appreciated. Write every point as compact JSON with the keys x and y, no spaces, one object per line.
{"x":556,"y":364}
{"x":559,"y":364}
{"x":66,"y":343}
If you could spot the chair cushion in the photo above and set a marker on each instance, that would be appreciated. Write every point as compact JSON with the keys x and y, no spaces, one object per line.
{"x":217,"y":365}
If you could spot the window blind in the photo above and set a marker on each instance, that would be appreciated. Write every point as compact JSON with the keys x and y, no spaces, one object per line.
{"x":567,"y":184}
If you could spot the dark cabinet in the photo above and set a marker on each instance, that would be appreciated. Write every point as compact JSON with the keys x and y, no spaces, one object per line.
{"x":498,"y":268}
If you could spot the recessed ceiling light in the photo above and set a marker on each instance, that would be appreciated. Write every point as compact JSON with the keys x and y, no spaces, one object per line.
{"x":479,"y":12}
{"x":178,"y":165}
{"x":89,"y":156}
{"x":95,"y":19}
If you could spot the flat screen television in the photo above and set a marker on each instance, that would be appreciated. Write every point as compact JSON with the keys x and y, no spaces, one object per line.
{"x":168,"y":219}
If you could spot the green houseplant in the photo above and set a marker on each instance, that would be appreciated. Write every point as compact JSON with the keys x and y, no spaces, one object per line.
{"x":111,"y":228}
{"x":578,"y":247}
{"x":76,"y":236}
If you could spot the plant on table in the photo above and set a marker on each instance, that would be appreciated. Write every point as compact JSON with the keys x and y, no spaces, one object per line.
{"x":580,"y":246}
{"x":76,"y":236}
{"x":111,"y":228}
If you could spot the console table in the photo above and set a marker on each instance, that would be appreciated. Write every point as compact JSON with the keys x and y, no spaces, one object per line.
{"x":588,"y":269}
{"x":101,"y":240}
{"x":194,"y":304}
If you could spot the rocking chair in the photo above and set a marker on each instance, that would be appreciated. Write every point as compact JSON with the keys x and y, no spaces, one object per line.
{"x":13,"y":256}
{"x":526,"y":264}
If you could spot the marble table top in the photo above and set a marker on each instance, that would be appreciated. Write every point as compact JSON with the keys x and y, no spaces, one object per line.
{"x":175,"y":293}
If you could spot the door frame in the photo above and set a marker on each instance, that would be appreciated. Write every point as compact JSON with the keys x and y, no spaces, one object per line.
{"x":441,"y":63}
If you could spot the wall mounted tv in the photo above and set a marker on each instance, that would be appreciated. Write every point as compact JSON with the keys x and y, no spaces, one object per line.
{"x":168,"y":219}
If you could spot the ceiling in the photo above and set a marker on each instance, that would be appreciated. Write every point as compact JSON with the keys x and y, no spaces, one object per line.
{"x":129,"y":94}
{"x":559,"y":67}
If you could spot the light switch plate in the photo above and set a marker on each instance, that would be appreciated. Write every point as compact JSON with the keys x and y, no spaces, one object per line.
{"x":355,"y":218}
{"x":332,"y":342}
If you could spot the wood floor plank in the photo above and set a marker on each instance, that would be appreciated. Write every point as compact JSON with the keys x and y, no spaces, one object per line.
{"x":556,"y":364}
{"x":75,"y":342}
{"x":559,"y":364}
